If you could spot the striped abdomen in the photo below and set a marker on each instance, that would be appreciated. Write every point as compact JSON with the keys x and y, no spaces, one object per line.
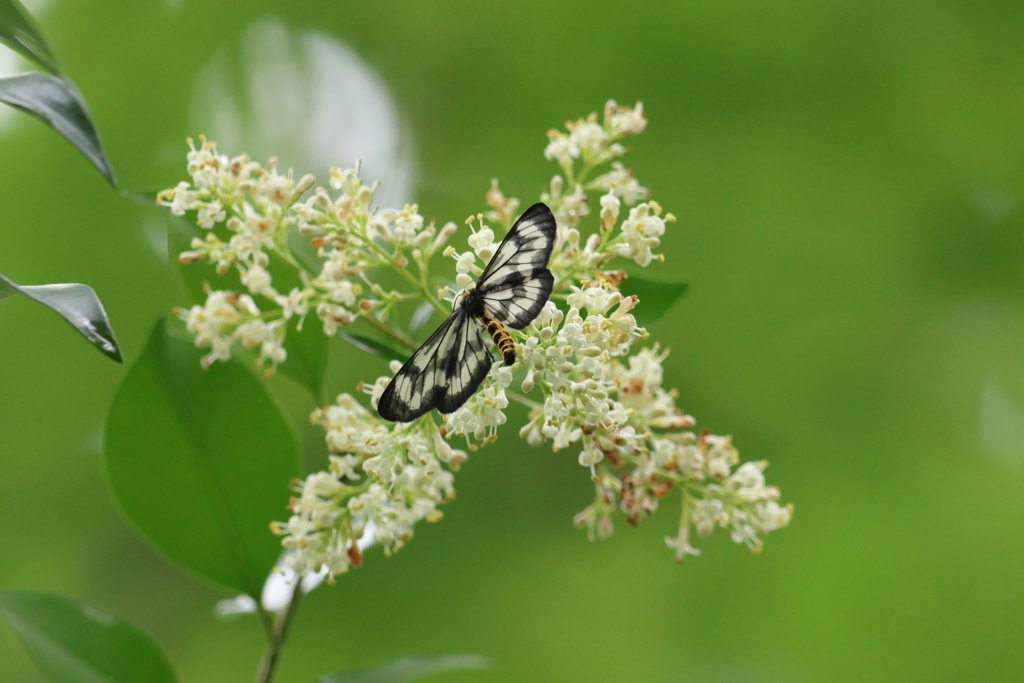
{"x":501,"y":337}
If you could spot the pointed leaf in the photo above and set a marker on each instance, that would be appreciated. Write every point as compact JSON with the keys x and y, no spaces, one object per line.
{"x":656,"y":296}
{"x":200,"y":461}
{"x":409,"y":668}
{"x":76,"y":303}
{"x":57,"y":102}
{"x":74,"y":643}
{"x":373,"y":347}
{"x":18,"y":31}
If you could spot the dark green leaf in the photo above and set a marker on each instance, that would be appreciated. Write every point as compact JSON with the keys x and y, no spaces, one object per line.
{"x":373,"y":346}
{"x":200,"y":461}
{"x":656,"y":296}
{"x":57,"y":102}
{"x":78,"y":304}
{"x":409,"y":668}
{"x":18,"y":31}
{"x":73,"y":643}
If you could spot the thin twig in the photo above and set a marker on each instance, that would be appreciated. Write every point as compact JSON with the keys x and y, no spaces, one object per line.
{"x":279,"y":634}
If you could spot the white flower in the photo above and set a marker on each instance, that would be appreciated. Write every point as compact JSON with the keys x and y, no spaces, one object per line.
{"x":609,"y":211}
{"x":343,"y":292}
{"x":296,"y":303}
{"x":590,"y":138}
{"x":561,"y":148}
{"x":681,"y":544}
{"x":573,"y":208}
{"x":621,"y":183}
{"x":595,"y":299}
{"x":257,"y":280}
{"x":183,"y":199}
{"x":210,"y":214}
{"x":482,"y":242}
{"x":623,"y":121}
{"x":708,"y":514}
{"x":642,"y":232}
{"x":466,"y":262}
{"x":408,"y":223}
{"x":483,"y":413}
{"x":334,"y":316}
{"x":272,"y":350}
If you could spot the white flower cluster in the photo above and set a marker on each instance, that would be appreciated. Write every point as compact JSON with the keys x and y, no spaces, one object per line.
{"x":633,"y":438}
{"x":594,"y":145}
{"x":580,"y":368}
{"x":228,"y":318}
{"x":381,"y":473}
{"x":250,"y":210}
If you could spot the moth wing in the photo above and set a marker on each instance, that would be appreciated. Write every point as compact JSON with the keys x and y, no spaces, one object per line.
{"x":517,"y":302}
{"x":467,"y":368}
{"x":443,"y":373}
{"x":517,"y":283}
{"x":525,"y":249}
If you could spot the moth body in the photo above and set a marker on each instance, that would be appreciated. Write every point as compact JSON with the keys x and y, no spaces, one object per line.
{"x":510,"y":292}
{"x":472,"y":302}
{"x":501,"y":337}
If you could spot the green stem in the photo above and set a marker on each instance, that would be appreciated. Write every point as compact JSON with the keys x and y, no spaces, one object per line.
{"x":278,"y":635}
{"x":423,"y":291}
{"x":265,"y":618}
{"x":386,"y":329}
{"x":519,"y":398}
{"x":420,"y":285}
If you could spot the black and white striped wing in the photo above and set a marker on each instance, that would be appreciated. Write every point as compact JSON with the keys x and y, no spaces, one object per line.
{"x":517,"y":283}
{"x":443,"y":373}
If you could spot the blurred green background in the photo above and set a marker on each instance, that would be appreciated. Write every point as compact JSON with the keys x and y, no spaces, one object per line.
{"x":848,"y":181}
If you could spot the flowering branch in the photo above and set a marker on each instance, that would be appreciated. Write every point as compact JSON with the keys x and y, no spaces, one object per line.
{"x":581,"y":367}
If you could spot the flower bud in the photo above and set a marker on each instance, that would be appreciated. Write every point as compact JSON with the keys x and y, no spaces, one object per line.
{"x":527,"y":385}
{"x":304,"y":184}
{"x":423,"y":238}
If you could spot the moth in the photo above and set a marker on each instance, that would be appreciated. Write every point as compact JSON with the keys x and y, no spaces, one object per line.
{"x":446,"y":370}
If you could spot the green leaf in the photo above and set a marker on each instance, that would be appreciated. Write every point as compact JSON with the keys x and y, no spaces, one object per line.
{"x":76,"y":303}
{"x":374,"y":347}
{"x":74,"y":643}
{"x":307,"y":355}
{"x":200,"y":461}
{"x":57,"y":102}
{"x":408,"y":668}
{"x":656,"y":296}
{"x":18,"y":31}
